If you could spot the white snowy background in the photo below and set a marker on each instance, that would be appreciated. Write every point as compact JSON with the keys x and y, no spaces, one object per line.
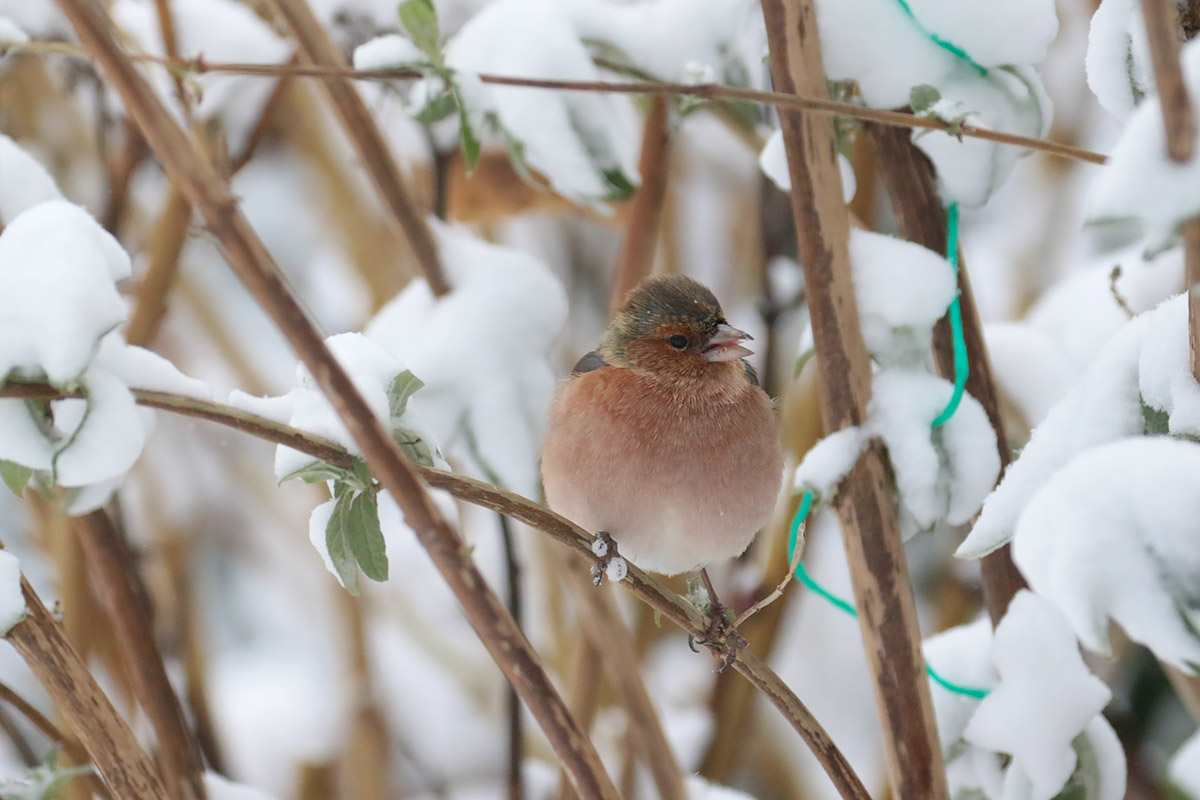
{"x":1077,"y":270}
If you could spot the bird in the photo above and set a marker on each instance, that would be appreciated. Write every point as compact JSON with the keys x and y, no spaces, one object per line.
{"x":661,"y":440}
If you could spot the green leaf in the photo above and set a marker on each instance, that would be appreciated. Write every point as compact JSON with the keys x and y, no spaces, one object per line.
{"x":1158,"y":423}
{"x":619,"y":186}
{"x":317,"y":472}
{"x":15,"y":476}
{"x":923,"y":97}
{"x":468,"y":139}
{"x":437,"y":109}
{"x":337,"y":540}
{"x":366,"y":538}
{"x":403,"y":387}
{"x":413,"y":447}
{"x":420,"y":21}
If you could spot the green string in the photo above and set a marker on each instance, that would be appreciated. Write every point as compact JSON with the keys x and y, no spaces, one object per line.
{"x":948,"y":46}
{"x":962,"y":367}
{"x":960,"y":381}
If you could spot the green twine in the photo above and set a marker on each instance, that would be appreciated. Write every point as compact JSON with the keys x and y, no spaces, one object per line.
{"x":948,"y":46}
{"x":961,"y":370}
{"x":962,"y":367}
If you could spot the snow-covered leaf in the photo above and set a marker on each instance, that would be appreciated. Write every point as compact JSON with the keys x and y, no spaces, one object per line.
{"x":420,"y":21}
{"x":24,"y":182}
{"x":1112,"y":535}
{"x":1044,"y":700}
{"x":1119,"y":70}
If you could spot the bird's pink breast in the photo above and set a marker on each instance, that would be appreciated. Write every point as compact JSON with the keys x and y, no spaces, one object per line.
{"x":679,"y":478}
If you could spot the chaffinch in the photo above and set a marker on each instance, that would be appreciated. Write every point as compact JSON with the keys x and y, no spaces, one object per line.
{"x":662,"y":438}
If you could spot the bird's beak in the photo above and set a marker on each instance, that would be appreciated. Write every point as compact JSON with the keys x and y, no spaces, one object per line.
{"x":724,"y":345}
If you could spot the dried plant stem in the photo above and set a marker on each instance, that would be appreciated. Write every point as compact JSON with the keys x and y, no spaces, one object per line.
{"x":912,"y":186}
{"x":247,"y":255}
{"x":584,"y":697}
{"x":704,"y":91}
{"x":866,"y":503}
{"x":110,"y":744}
{"x":649,"y":590}
{"x":165,"y":246}
{"x":641,"y":234}
{"x":118,"y":588}
{"x":368,"y":140}
{"x":1179,"y":123}
{"x":614,"y":642}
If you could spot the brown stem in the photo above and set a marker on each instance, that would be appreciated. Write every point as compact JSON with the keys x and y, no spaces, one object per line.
{"x":707,"y":91}
{"x":1180,"y":125}
{"x":1162,"y":31}
{"x":641,"y":234}
{"x":368,"y":140}
{"x":866,"y":502}
{"x":249,"y":258}
{"x":615,"y":644}
{"x":110,"y":744}
{"x":165,"y":246}
{"x":119,"y":589}
{"x":912,"y":186}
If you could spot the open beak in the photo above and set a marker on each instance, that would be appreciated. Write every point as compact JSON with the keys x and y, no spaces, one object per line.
{"x":724,"y":345}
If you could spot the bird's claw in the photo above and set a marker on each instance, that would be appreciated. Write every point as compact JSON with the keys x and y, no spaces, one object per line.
{"x":721,"y":638}
{"x":609,"y":563}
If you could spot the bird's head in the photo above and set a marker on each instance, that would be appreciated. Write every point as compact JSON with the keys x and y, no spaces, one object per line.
{"x":672,"y":326}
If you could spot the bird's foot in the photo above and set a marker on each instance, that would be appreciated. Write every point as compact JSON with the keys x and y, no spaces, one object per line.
{"x":721,"y":637}
{"x":609,"y":563}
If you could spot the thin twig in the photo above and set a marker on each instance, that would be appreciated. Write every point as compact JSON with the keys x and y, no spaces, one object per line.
{"x":866,"y":504}
{"x":778,"y":591}
{"x":704,"y":91}
{"x":39,"y":720}
{"x":254,"y":266}
{"x":647,"y":589}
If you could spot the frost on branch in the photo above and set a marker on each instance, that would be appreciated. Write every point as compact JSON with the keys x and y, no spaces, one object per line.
{"x":1038,"y":733}
{"x":1140,"y":181}
{"x":888,"y":52}
{"x":215,"y":30}
{"x":59,"y":308}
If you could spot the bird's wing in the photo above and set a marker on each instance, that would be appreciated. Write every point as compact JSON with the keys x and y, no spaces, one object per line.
{"x":592,"y":361}
{"x":751,"y":373}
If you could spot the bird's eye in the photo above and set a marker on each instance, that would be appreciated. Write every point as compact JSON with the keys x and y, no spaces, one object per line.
{"x":678,"y":341}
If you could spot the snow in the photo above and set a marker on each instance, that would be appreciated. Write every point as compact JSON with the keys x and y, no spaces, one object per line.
{"x":103,"y":435}
{"x":11,"y":33}
{"x":139,"y":368}
{"x":12,"y":599}
{"x":1030,"y":368}
{"x":571,"y":138}
{"x":829,"y":461}
{"x":902,"y":289}
{"x":482,"y":352}
{"x":389,"y":50}
{"x":318,"y":521}
{"x":669,"y":38}
{"x":1043,"y":701}
{"x":219,"y":788}
{"x":700,"y":789}
{"x":1103,"y":406}
{"x":773,"y":162}
{"x":57,"y":298}
{"x":887,"y":53}
{"x":24,"y":182}
{"x":1119,"y":70}
{"x":1140,"y":181}
{"x":943,"y":473}
{"x":1165,"y":371}
{"x":1184,"y":768}
{"x":216,"y":30}
{"x":1111,"y":535}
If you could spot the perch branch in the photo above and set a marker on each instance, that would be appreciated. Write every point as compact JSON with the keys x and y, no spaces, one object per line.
{"x":646,"y":588}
